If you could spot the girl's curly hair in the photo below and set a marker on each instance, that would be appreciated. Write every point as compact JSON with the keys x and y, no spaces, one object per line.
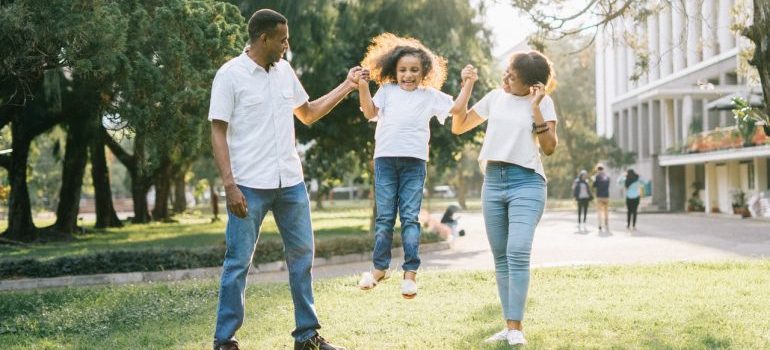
{"x":385,"y":51}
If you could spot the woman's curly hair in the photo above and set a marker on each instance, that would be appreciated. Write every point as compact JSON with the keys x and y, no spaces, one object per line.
{"x":385,"y":51}
{"x":533,"y":67}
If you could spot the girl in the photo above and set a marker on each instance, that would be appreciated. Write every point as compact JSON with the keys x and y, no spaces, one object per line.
{"x":634,"y":190}
{"x":521,"y":117}
{"x":409,"y":76}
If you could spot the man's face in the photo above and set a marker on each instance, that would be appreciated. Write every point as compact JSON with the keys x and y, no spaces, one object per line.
{"x":276,"y":42}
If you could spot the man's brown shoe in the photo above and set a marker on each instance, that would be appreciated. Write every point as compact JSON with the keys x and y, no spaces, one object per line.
{"x":316,"y":343}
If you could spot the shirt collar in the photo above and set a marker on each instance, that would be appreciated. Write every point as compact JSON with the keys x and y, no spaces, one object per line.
{"x":252,"y":66}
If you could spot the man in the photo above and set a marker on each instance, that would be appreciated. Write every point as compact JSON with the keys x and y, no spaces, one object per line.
{"x":602,"y":186}
{"x":253,"y":99}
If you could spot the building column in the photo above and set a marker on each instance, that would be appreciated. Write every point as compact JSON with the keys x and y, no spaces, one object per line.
{"x":619,"y":68}
{"x":760,"y":174}
{"x":707,"y":187}
{"x":708,"y":29}
{"x":669,"y":124}
{"x":653,"y":47}
{"x":666,"y":46}
{"x":623,"y":76}
{"x":678,"y":31}
{"x":693,"y":32}
{"x":687,"y":112}
{"x":601,"y":80}
{"x":724,"y":36}
{"x":706,"y":126}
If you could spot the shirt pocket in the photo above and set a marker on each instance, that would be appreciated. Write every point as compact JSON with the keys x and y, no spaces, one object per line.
{"x":250,"y":109}
{"x":287,"y":98}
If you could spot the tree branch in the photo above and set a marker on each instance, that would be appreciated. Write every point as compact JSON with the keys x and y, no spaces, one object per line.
{"x":128,"y":160}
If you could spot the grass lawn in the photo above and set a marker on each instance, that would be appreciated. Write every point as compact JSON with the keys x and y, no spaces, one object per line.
{"x":192,"y":231}
{"x":672,"y":306}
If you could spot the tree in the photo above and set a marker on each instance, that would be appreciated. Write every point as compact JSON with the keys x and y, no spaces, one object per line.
{"x":38,"y":39}
{"x":174,"y":49}
{"x":758,"y":33}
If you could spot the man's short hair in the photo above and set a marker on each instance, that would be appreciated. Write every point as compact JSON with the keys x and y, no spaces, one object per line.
{"x":264,"y":21}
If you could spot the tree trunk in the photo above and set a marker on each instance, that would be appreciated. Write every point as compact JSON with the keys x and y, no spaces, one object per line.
{"x":20,"y":225}
{"x":162,"y":191}
{"x":319,"y":197}
{"x":139,"y":184}
{"x":100,"y":173}
{"x":214,"y":201}
{"x":75,"y":158}
{"x":758,"y":33}
{"x":180,"y":198}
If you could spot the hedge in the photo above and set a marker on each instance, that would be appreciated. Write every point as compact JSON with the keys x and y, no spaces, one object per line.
{"x":268,"y":250}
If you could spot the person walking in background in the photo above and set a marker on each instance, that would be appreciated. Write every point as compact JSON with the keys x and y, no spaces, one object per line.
{"x":634,"y":190}
{"x":582,"y":193}
{"x":602,"y":187}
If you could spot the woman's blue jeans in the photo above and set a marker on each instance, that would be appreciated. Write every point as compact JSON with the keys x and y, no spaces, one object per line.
{"x":513,"y":199}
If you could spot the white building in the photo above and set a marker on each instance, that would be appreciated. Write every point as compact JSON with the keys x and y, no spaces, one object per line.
{"x":664,"y":116}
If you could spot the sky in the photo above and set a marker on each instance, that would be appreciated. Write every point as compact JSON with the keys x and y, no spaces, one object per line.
{"x":508,"y":26}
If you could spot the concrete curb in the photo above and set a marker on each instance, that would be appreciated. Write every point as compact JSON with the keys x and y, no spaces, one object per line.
{"x":178,"y":275}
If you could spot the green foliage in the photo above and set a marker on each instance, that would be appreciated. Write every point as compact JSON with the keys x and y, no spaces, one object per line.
{"x":268,"y":250}
{"x":174,"y":50}
{"x":746,"y":118}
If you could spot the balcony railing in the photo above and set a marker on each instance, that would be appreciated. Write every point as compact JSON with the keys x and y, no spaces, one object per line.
{"x":720,"y":139}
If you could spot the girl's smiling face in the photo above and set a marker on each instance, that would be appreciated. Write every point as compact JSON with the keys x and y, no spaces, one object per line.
{"x":512,"y":84}
{"x":409,"y":72}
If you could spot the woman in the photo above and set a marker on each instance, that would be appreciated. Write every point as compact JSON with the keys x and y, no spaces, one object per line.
{"x":634,"y":189}
{"x":522,"y":121}
{"x":582,"y":193}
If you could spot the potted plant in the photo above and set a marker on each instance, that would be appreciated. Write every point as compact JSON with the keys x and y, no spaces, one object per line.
{"x":694,"y":203}
{"x":739,"y":204}
{"x":743,"y":111}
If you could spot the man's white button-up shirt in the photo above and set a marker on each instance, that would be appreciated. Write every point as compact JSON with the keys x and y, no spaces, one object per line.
{"x":258,"y":107}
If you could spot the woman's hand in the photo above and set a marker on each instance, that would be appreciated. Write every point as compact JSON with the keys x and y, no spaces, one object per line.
{"x":538,"y":92}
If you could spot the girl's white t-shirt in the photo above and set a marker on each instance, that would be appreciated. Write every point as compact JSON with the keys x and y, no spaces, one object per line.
{"x":403,"y":120}
{"x":509,"y":136}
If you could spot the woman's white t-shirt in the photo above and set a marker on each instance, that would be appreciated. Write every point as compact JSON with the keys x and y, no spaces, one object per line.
{"x":403,"y":120}
{"x":509,"y":136}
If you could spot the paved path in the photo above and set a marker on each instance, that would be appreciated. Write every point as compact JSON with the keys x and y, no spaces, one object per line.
{"x":659,"y":238}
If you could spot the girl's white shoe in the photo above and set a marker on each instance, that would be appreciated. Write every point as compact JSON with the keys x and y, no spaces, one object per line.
{"x":408,"y":289}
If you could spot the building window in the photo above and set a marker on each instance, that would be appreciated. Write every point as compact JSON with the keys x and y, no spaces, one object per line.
{"x":751,"y":175}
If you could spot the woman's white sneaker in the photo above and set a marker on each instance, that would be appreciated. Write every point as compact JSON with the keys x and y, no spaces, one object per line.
{"x":515,"y":337}
{"x":498,"y":337}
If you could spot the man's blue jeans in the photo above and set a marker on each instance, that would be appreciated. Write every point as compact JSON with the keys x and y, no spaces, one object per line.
{"x":291,"y":209}
{"x":398,"y":183}
{"x":512,"y":200}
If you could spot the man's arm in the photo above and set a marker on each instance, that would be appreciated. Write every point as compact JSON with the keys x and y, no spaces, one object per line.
{"x":310,"y":112}
{"x":236,"y":202}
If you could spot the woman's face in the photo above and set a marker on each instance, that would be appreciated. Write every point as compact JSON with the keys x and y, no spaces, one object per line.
{"x":512,"y":84}
{"x":409,"y":72}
